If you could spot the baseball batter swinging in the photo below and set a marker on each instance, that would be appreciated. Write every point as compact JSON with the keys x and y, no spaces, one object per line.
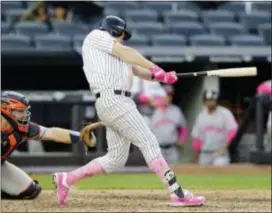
{"x":109,"y":68}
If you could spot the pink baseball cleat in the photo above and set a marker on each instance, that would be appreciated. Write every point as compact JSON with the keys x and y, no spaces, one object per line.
{"x":59,"y":180}
{"x":188,"y":200}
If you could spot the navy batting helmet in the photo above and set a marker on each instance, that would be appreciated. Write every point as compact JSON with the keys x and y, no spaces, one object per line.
{"x":210,"y":95}
{"x":115,"y":26}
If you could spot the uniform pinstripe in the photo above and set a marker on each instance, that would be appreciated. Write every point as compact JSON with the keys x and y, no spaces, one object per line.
{"x":103,"y":70}
{"x":125,"y":125}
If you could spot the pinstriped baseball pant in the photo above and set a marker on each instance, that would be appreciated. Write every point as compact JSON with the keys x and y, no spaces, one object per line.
{"x":124,"y":125}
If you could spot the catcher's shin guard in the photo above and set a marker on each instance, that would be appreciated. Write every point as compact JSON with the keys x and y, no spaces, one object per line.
{"x":30,"y":193}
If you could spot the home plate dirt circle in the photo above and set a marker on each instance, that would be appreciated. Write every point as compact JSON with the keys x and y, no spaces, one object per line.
{"x":143,"y":201}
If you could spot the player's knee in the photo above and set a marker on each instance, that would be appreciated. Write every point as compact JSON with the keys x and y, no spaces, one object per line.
{"x":114,"y":162}
{"x":150,"y":148}
{"x":118,"y":162}
{"x":32,"y":192}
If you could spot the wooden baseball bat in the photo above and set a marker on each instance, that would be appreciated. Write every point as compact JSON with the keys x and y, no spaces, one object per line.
{"x":230,"y":72}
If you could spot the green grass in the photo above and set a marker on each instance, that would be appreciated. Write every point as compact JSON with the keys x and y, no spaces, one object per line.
{"x":150,"y":181}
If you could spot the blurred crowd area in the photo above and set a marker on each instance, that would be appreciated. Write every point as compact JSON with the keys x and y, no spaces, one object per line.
{"x":24,"y":23}
{"x":73,"y":11}
{"x":40,"y":12}
{"x":48,"y":12}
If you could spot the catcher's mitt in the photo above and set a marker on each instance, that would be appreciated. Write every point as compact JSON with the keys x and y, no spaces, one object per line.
{"x":87,"y":136}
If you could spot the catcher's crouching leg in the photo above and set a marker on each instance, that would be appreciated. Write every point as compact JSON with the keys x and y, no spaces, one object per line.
{"x":30,"y":193}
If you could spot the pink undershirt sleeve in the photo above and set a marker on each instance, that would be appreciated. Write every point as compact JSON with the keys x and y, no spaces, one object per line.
{"x":183,"y":133}
{"x":264,"y":88}
{"x":196,"y":144}
{"x":231,"y":134}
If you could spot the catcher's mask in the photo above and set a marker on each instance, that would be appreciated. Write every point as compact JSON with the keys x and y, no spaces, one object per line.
{"x":115,"y":26}
{"x":16,"y":107}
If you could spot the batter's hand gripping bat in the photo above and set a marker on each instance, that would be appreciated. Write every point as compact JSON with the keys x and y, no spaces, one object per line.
{"x":230,"y":72}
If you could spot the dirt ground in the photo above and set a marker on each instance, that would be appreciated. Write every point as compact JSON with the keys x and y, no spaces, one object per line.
{"x":144,"y":201}
{"x":230,"y":169}
{"x":153,"y":200}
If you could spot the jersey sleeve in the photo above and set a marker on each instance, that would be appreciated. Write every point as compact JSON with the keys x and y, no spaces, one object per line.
{"x":182,"y":120}
{"x":101,"y":40}
{"x":231,"y":123}
{"x":231,"y":126}
{"x":182,"y":124}
{"x":33,"y":131}
{"x":196,"y":128}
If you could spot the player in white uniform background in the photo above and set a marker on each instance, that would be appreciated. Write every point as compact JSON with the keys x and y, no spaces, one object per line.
{"x":147,"y":95}
{"x":213,"y":131}
{"x":170,"y":127}
{"x":109,"y":67}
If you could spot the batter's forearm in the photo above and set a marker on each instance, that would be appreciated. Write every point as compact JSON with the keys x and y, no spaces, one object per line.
{"x":61,"y":135}
{"x":141,"y":73}
{"x":132,"y":56}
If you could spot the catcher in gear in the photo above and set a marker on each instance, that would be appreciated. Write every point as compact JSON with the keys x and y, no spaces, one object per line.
{"x":16,"y":128}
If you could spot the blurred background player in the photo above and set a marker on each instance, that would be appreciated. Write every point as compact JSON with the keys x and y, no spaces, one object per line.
{"x":170,"y":127}
{"x":263,"y":96}
{"x":213,"y":131}
{"x":147,"y":94}
{"x":17,"y":128}
{"x":265,"y":89}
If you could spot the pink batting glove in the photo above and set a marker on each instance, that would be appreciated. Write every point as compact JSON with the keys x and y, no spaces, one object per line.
{"x":158,"y":73}
{"x":171,"y":77}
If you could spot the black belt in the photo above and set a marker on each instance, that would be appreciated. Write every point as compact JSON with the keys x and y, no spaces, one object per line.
{"x":168,"y":146}
{"x":117,"y":92}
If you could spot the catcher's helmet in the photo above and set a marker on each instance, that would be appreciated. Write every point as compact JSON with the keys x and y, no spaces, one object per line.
{"x":16,"y":106}
{"x":210,"y":95}
{"x":115,"y":26}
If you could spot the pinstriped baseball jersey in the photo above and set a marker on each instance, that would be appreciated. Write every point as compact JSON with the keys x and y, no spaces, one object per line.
{"x":165,"y":124}
{"x":212,"y":129}
{"x":102,"y":69}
